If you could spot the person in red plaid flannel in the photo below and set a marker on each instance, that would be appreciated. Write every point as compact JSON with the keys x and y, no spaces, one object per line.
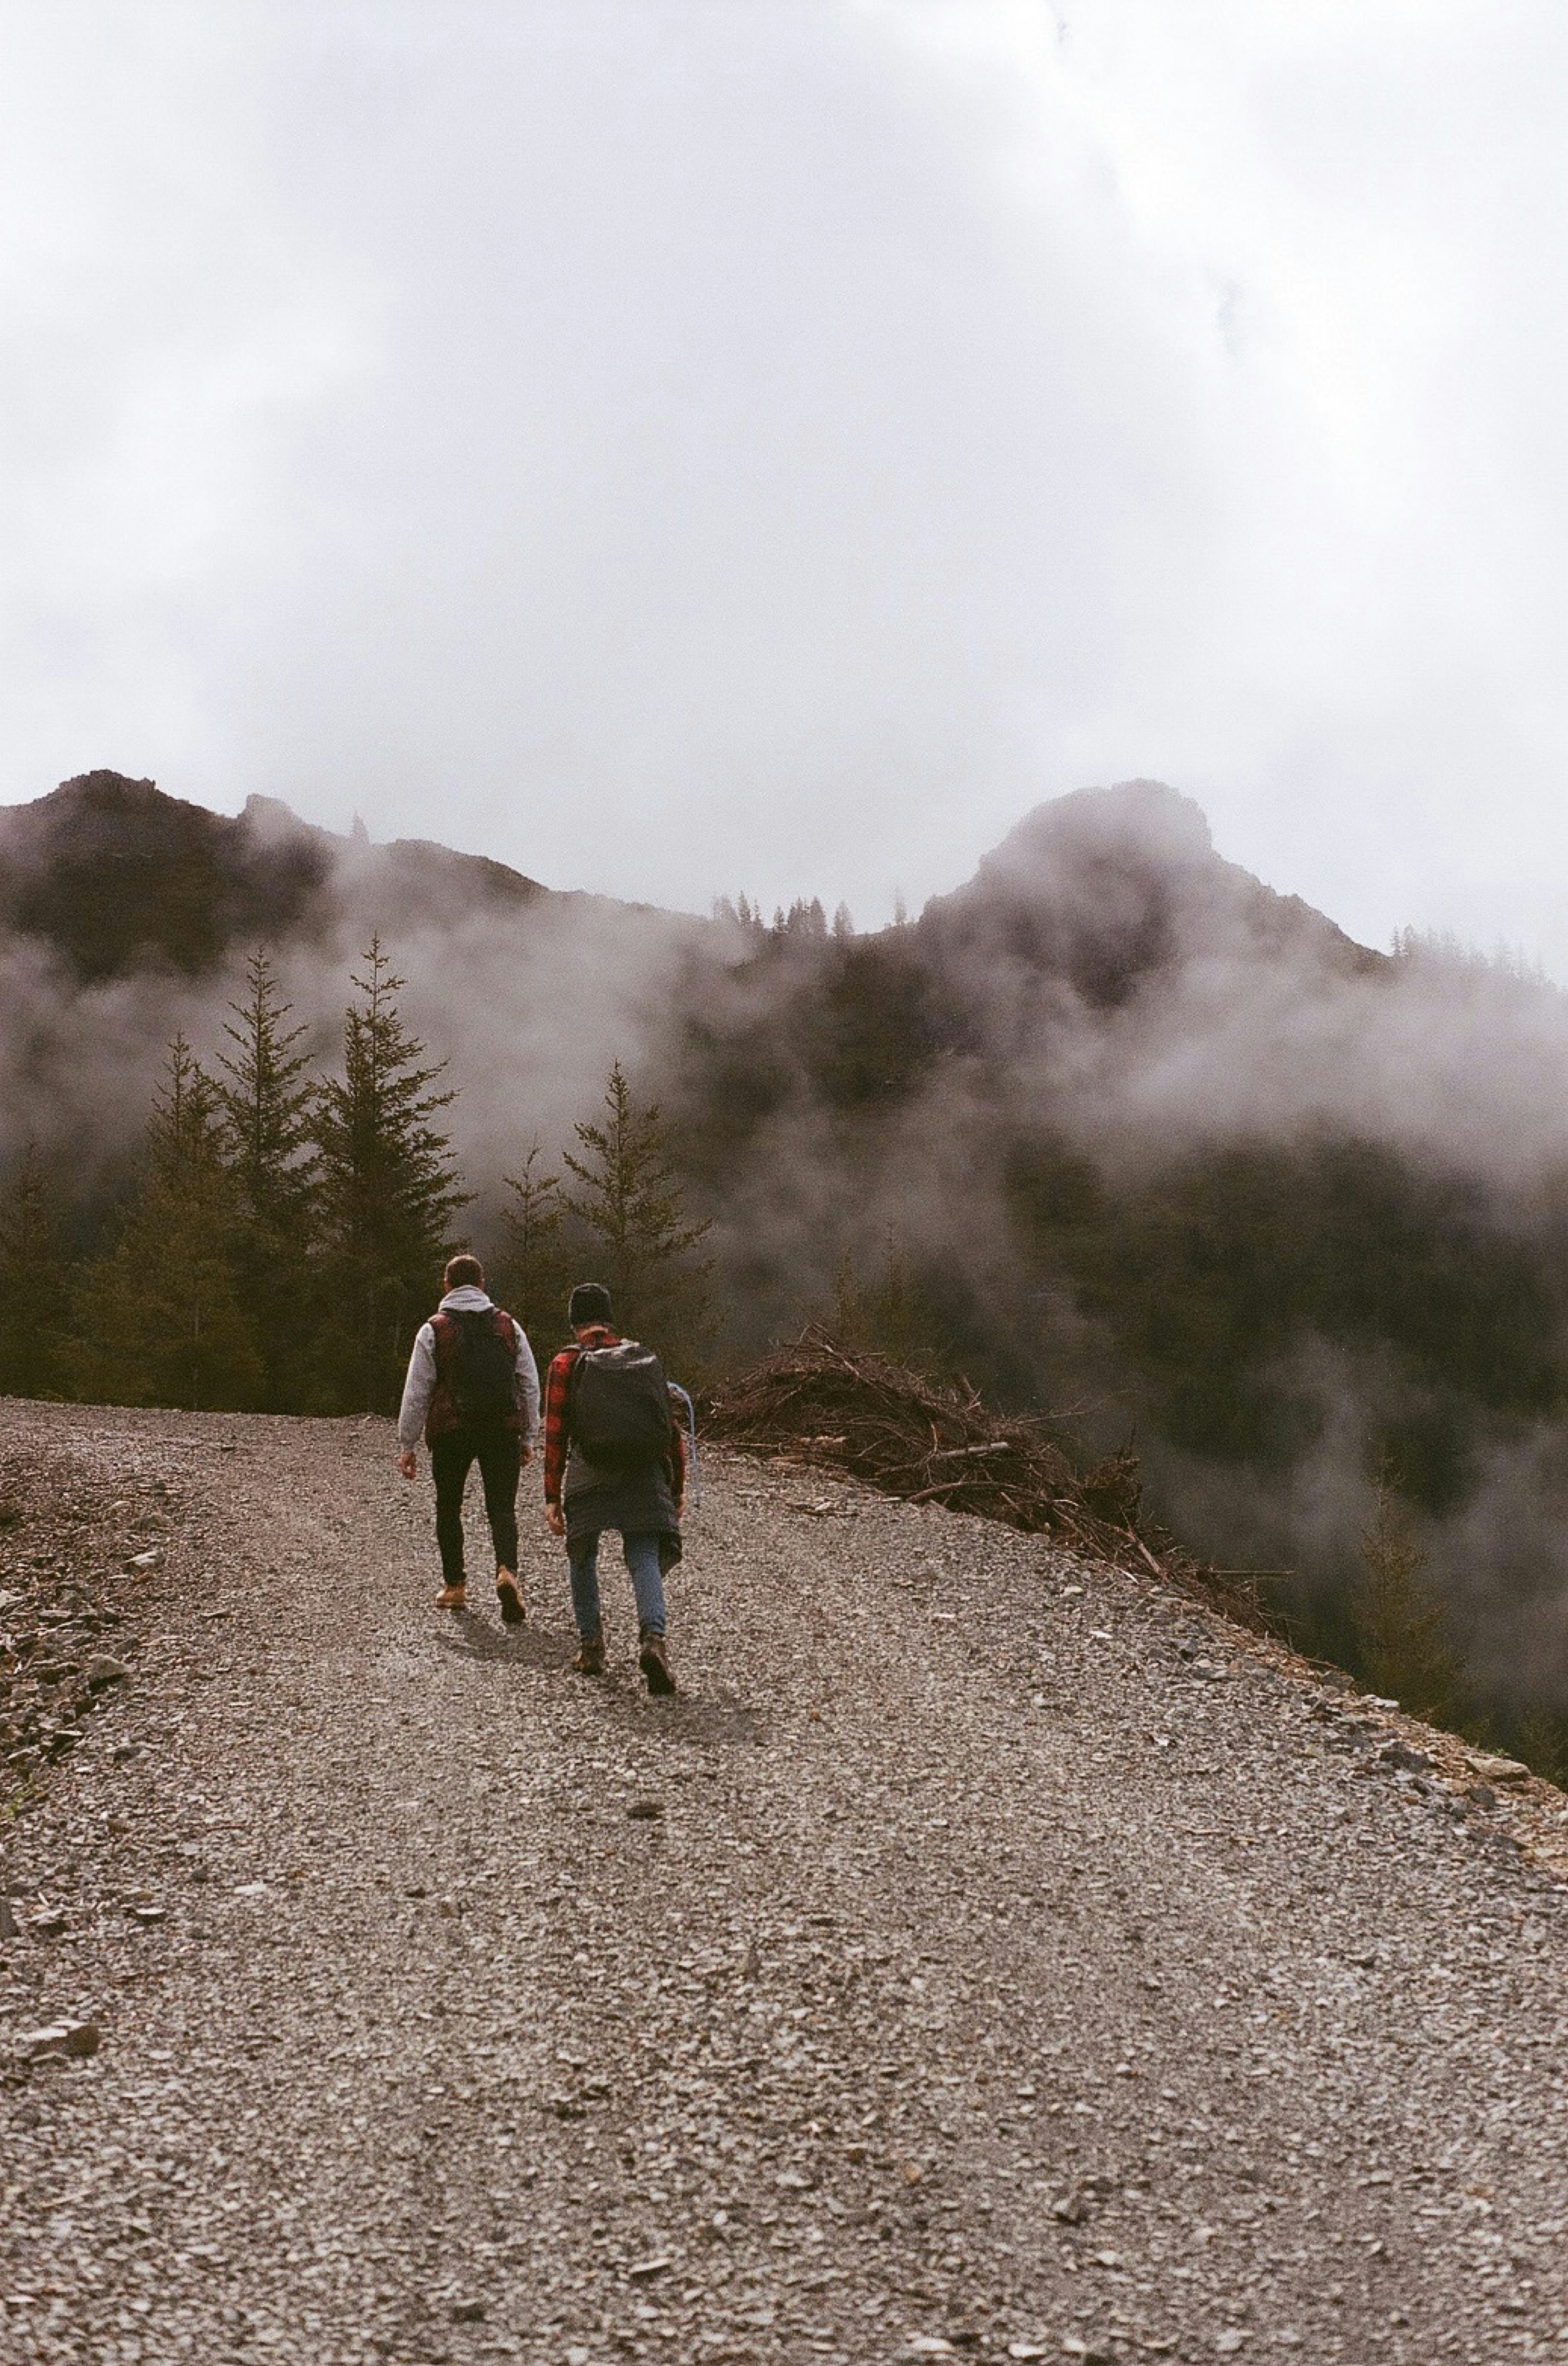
{"x":640,"y":1498}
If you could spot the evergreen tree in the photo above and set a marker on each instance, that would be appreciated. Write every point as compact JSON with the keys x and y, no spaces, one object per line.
{"x":32,"y":1283}
{"x":1399,"y":1620}
{"x":887,"y":1313}
{"x":1542,"y":1740}
{"x":631,"y":1210}
{"x":163,"y":1319}
{"x":268,"y":1108}
{"x":389,"y":1190}
{"x":802,"y":919}
{"x":535,"y":1267}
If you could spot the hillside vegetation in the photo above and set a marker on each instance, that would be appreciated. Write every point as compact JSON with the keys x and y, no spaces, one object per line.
{"x":1113,"y":1131}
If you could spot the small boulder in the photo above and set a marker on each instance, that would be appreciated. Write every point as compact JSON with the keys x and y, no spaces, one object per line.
{"x":1399,"y":1754}
{"x":103,"y":1671}
{"x":62,"y":2041}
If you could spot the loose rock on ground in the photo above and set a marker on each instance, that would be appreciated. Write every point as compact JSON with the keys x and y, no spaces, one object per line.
{"x":1017,"y":1960}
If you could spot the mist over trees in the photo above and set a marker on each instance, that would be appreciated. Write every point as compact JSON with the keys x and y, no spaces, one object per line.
{"x":1113,"y":1129}
{"x":32,"y":1269}
{"x":269,"y":1100}
{"x":287,"y":1229}
{"x":387,"y":1192}
{"x":162,"y":1317}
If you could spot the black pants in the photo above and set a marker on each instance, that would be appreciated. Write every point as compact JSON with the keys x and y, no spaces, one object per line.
{"x":499,"y":1453}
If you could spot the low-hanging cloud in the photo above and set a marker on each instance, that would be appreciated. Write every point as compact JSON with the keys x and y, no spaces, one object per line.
{"x":687,"y":449}
{"x":1106,"y":1002}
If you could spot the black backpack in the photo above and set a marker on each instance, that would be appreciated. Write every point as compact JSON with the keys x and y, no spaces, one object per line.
{"x":475,"y":1364}
{"x":618,"y":1407}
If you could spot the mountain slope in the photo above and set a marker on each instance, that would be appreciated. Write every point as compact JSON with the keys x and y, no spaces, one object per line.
{"x":1098,"y":889}
{"x":115,"y":875}
{"x":1106,"y":889}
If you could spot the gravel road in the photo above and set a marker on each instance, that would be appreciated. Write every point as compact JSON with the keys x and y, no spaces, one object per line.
{"x":986,"y":1952}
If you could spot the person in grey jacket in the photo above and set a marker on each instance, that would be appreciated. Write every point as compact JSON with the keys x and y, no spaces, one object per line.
{"x":472,"y":1391}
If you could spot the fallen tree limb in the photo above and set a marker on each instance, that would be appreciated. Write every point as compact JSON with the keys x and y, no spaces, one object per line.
{"x":928,"y":1442}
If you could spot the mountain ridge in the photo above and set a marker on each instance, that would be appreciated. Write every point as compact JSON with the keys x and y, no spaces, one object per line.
{"x":114,"y":872}
{"x":1102,"y":886}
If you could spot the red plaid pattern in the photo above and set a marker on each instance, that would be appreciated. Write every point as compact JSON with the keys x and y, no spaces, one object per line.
{"x":556,"y":1440}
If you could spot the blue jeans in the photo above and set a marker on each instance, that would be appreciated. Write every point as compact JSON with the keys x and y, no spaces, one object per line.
{"x":648,"y":1584}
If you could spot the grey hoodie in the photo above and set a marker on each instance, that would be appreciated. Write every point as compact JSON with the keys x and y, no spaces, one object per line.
{"x":420,"y":1384}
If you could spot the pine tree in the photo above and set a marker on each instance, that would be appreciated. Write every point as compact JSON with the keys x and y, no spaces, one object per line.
{"x":389,"y":1190}
{"x":804,"y":919}
{"x":631,"y":1209}
{"x":888,"y":1313}
{"x":1542,"y":1743}
{"x":534,"y":1270}
{"x":163,"y":1319}
{"x":32,"y":1283}
{"x":1399,"y":1620}
{"x":268,"y":1107}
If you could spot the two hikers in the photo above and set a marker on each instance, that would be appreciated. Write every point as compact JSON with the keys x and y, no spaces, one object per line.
{"x":614,"y":1452}
{"x":473,"y":1391}
{"x":615,"y":1458}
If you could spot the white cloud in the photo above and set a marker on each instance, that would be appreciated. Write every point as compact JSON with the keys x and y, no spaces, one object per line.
{"x":685,"y":447}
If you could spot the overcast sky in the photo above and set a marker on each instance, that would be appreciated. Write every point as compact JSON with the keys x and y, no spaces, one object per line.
{"x":685,"y":445}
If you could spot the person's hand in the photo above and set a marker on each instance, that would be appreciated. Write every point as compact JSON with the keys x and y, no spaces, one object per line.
{"x":527,"y":1454}
{"x":408,"y":1462}
{"x":557,"y":1519}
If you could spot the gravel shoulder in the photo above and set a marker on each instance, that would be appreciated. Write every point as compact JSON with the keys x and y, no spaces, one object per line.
{"x":988,"y":1953}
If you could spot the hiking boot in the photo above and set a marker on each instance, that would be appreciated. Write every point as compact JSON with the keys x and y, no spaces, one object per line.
{"x":452,"y":1597}
{"x":509,"y":1594}
{"x":654,"y":1661}
{"x":590,"y":1660}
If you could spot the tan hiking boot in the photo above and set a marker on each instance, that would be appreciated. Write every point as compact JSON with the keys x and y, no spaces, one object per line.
{"x":452,"y":1597}
{"x":509,"y":1594}
{"x":590,"y":1660}
{"x":654,"y":1661}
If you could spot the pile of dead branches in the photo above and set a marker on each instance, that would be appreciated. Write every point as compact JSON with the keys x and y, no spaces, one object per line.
{"x":933,"y":1442}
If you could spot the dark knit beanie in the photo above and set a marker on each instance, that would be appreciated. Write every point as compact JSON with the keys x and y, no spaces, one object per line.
{"x":589,"y":1304}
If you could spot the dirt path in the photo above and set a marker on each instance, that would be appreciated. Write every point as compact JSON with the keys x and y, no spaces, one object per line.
{"x":1015,"y":1962}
